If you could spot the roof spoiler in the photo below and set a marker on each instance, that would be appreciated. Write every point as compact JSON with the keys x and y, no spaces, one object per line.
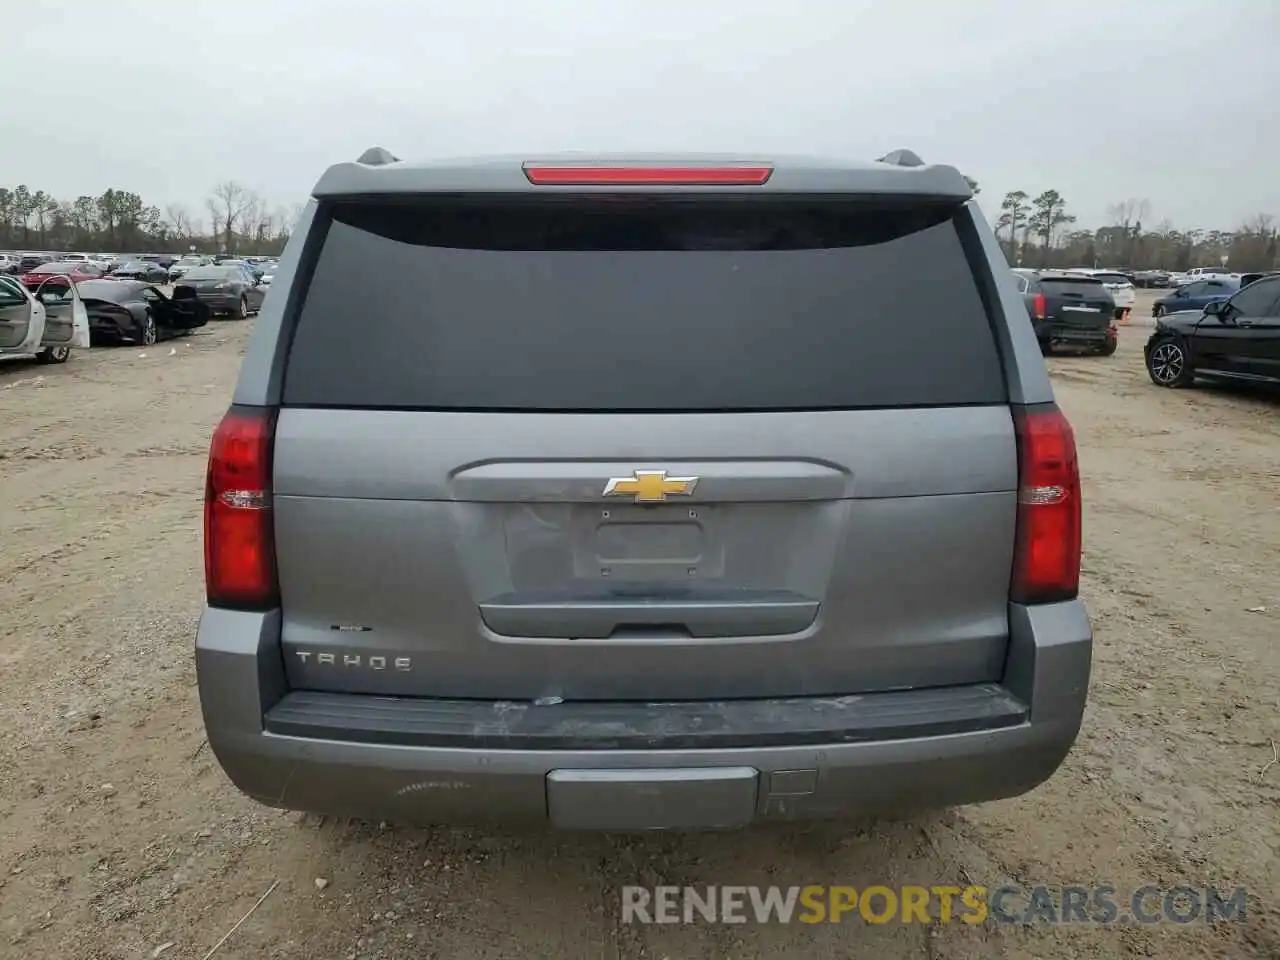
{"x":377,"y":157}
{"x":901,"y":173}
{"x":902,"y":158}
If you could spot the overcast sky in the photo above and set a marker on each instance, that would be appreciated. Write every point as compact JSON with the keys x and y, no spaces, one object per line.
{"x":1174,"y":101}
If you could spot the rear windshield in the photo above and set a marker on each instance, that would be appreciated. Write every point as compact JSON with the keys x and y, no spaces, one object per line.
{"x":212,"y":273}
{"x":1071,"y":285}
{"x":623,"y":305}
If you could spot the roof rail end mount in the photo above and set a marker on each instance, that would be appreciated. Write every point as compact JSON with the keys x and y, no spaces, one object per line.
{"x":377,"y":157}
{"x":903,"y":158}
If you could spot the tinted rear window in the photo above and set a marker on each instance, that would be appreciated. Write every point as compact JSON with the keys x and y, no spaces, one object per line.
{"x":1080,"y":285}
{"x":622,"y":305}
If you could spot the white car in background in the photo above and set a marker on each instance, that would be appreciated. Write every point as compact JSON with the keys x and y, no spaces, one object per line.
{"x":1119,"y":285}
{"x":44,"y":324}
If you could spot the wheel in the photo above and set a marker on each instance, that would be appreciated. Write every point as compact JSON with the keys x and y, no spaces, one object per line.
{"x":242,"y":312}
{"x":1168,"y":365}
{"x":1046,"y":347}
{"x":54,"y":355}
{"x":149,"y":335}
{"x":1108,"y":348}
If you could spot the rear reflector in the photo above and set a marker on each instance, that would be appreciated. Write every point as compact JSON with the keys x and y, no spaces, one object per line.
{"x":1038,"y":306}
{"x":645,"y":176}
{"x":239,"y":541}
{"x":1046,"y":563}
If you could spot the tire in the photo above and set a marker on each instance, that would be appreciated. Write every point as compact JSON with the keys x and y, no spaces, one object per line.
{"x":242,"y":311}
{"x":1108,"y":348}
{"x":1168,"y":365}
{"x":54,"y":355}
{"x":1046,"y":348}
{"x":148,"y":337}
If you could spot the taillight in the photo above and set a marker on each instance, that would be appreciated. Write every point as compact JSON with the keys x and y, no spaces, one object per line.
{"x":1038,"y":306}
{"x":1046,"y":562}
{"x":239,"y":541}
{"x":646,"y":176}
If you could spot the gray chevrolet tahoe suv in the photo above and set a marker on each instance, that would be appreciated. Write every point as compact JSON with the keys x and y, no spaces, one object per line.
{"x":641,"y":494}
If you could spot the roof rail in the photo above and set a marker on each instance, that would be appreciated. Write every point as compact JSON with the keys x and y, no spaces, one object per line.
{"x":377,"y":157}
{"x":902,"y":158}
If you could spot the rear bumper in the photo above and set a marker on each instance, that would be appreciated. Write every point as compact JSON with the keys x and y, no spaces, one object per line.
{"x":641,"y":766}
{"x":113,"y":328}
{"x":219,"y":301}
{"x":1060,"y":333}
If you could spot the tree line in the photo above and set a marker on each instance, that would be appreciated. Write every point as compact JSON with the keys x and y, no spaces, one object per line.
{"x":1039,"y":232}
{"x":1034,"y":231}
{"x":120,"y":221}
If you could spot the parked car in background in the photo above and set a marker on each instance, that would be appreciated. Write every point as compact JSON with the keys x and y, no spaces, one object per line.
{"x":792,"y":541}
{"x":137,"y":312}
{"x":1070,"y":309}
{"x":1148,"y":279}
{"x":77,"y":270}
{"x":147,"y":270}
{"x":29,"y":261}
{"x":225,"y":288}
{"x":45,"y":323}
{"x":1119,"y":285}
{"x":1248,"y":278}
{"x":268,"y":272}
{"x":1194,"y":295}
{"x":8,"y":264}
{"x":185,"y":264}
{"x":251,"y":268}
{"x":1234,"y":339}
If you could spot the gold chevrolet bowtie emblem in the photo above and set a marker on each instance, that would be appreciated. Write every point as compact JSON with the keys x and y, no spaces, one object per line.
{"x":650,"y":486}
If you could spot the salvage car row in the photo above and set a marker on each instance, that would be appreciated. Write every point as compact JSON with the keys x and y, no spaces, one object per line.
{"x":55,"y":307}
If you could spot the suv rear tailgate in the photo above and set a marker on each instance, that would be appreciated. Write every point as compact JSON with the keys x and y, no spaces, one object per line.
{"x":630,"y":448}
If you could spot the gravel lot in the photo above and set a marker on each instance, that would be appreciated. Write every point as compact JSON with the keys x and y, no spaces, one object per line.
{"x":119,"y":835}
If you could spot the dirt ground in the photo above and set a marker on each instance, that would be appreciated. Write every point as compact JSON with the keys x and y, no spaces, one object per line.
{"x":121,"y":838}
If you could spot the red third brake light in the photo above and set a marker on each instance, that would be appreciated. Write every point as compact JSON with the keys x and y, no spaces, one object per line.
{"x":239,"y":541}
{"x":647,"y":176}
{"x":1046,"y":563}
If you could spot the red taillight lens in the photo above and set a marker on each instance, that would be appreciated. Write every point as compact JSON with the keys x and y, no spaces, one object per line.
{"x":644,"y":176}
{"x":239,"y":541}
{"x":1038,"y":305}
{"x":1046,"y":562}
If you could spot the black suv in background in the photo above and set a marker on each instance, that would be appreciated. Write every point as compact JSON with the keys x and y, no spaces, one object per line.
{"x":1068,"y":308}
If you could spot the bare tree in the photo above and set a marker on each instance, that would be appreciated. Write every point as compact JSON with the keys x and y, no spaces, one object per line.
{"x":1126,"y":213}
{"x":227,"y":206}
{"x":1260,"y":225}
{"x":255,"y":211}
{"x":179,"y":219}
{"x":1126,"y":218}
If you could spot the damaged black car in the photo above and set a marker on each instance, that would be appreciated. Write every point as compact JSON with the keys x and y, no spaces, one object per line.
{"x":131,"y":311}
